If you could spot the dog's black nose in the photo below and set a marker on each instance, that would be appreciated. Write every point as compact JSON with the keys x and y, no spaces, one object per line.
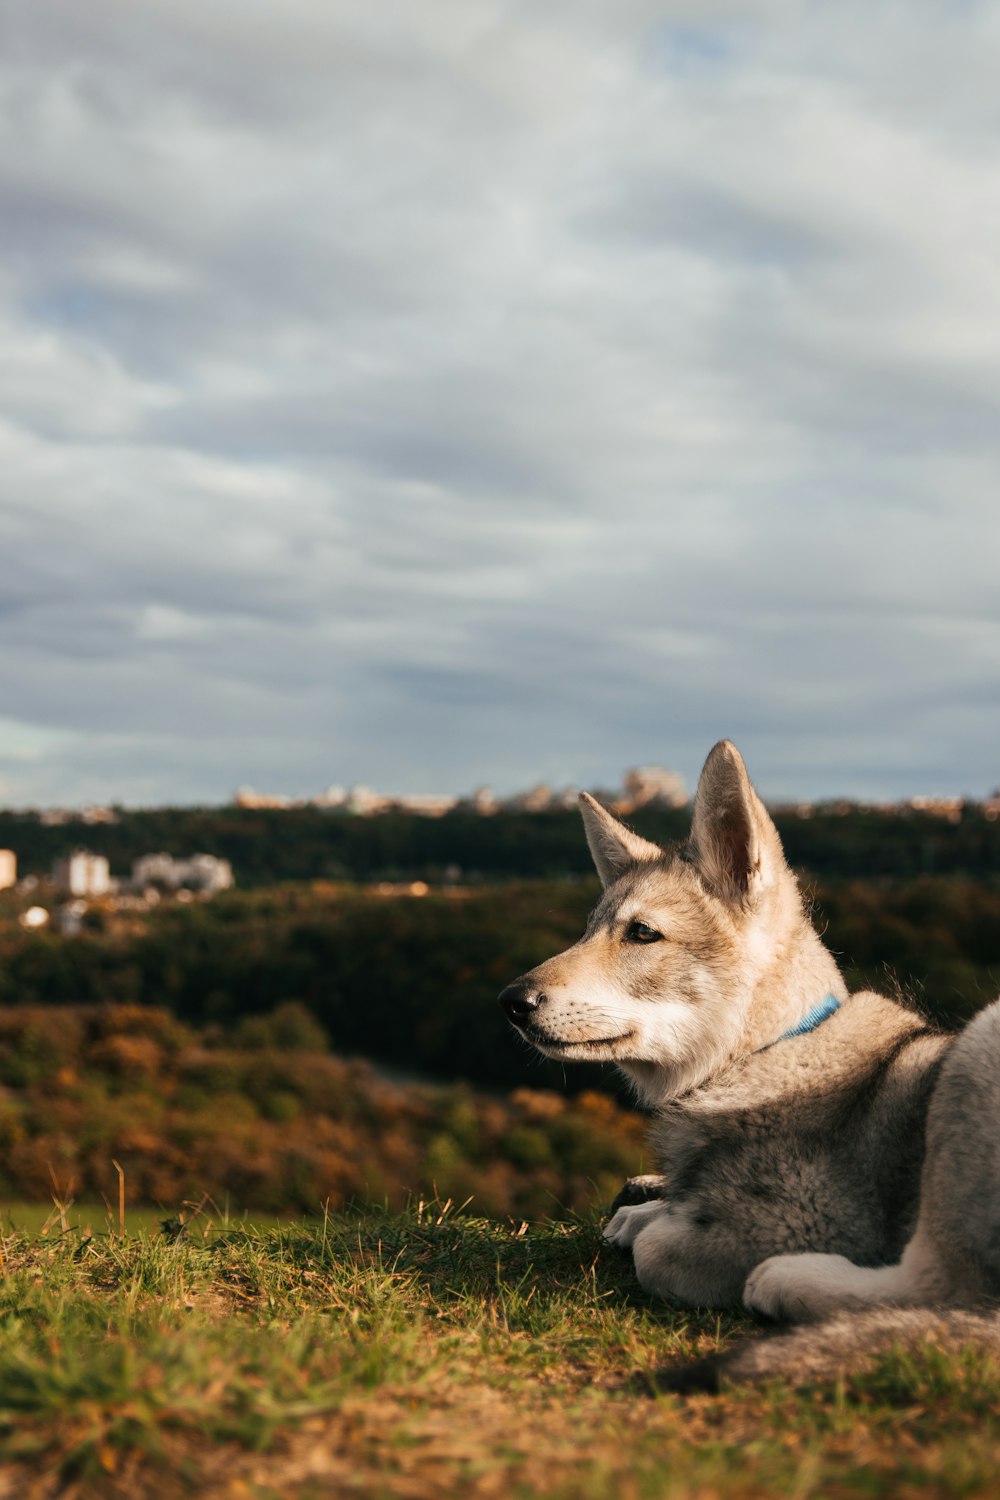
{"x":519,"y":1000}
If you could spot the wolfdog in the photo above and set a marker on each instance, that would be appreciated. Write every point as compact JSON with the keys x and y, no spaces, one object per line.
{"x":818,"y":1151}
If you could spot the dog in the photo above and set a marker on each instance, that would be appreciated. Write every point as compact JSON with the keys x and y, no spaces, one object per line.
{"x":818,"y":1152}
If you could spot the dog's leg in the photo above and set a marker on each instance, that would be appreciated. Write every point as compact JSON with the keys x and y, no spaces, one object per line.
{"x":804,"y":1288}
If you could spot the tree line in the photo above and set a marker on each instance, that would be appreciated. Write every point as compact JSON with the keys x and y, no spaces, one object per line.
{"x":413,"y":981}
{"x":268,"y":845}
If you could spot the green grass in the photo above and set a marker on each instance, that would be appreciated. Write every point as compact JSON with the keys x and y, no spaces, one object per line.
{"x":429,"y":1354}
{"x":44,"y":1220}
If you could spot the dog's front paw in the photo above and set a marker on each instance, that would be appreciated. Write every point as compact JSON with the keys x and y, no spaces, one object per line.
{"x":800,"y":1288}
{"x":762,"y":1293}
{"x":622,"y":1228}
{"x":635,"y":1190}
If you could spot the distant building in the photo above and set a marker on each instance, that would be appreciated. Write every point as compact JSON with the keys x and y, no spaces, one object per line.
{"x":334,"y":796}
{"x":540,"y":798}
{"x":949,"y":808}
{"x":202,"y":872}
{"x":483,"y":802}
{"x":363,"y":802}
{"x":55,"y":817}
{"x":83,"y":874}
{"x":425,"y":804}
{"x":653,"y":786}
{"x":154,"y":869}
{"x":8,"y":869}
{"x":247,"y":797}
{"x":645,"y":786}
{"x":98,"y":814}
{"x":208,"y":873}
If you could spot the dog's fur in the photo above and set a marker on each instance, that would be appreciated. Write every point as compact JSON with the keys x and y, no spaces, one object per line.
{"x":854,"y":1166}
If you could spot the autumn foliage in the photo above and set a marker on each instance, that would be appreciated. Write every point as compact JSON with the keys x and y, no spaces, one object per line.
{"x":262,"y":1116}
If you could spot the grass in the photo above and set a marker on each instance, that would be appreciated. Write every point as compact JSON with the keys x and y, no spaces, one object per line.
{"x":44,"y":1220}
{"x":429,"y":1354}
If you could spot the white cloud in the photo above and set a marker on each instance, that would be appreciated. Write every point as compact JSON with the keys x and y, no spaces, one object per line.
{"x":431,"y":395}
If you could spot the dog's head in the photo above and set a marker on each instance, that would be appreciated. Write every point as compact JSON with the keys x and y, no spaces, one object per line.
{"x":661,"y":979}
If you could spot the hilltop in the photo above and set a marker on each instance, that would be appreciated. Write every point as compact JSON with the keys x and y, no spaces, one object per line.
{"x":428,"y":1355}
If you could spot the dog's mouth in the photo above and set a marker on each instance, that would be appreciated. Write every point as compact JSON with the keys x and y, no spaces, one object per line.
{"x":546,"y":1043}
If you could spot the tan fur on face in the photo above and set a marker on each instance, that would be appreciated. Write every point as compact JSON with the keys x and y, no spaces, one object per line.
{"x":680,"y":1005}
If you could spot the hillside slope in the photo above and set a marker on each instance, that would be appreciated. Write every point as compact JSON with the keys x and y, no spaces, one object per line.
{"x":429,"y":1355}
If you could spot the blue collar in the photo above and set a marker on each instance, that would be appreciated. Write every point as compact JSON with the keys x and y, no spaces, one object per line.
{"x":809,"y":1022}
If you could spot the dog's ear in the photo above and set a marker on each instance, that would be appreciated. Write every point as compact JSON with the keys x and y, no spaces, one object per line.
{"x":613,"y":846}
{"x":736,"y":846}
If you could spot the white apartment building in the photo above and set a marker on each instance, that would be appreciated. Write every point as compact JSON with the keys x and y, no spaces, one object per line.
{"x":208,"y":873}
{"x":202,"y":872}
{"x":83,"y":874}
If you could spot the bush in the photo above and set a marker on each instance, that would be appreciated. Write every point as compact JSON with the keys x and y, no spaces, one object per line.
{"x":290,"y":1027}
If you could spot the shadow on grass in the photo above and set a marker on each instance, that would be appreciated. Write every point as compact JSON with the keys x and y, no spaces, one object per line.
{"x":558,"y":1279}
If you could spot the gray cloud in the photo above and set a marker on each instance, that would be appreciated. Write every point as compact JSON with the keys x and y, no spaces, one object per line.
{"x":438,"y":396}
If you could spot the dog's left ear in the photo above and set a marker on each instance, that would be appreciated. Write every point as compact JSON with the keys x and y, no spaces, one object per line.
{"x":613,"y":846}
{"x":737,"y":848}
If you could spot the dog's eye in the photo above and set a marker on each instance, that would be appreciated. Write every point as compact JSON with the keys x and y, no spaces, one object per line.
{"x":641,"y":932}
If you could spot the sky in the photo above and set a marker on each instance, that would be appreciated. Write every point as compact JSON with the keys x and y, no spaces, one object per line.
{"x":486,"y":392}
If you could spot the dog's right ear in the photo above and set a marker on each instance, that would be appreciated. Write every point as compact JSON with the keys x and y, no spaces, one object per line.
{"x":613,"y":846}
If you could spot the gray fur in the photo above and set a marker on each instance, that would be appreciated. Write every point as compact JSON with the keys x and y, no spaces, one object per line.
{"x":852,"y":1342}
{"x":848,"y":1343}
{"x":854,"y":1166}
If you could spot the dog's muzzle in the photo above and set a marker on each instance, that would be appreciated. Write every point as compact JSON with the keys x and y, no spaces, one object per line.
{"x":519,"y":1001}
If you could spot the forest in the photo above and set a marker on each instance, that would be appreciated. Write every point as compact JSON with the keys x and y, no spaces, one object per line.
{"x":412,"y":980}
{"x":267,"y":845}
{"x":315,"y":1040}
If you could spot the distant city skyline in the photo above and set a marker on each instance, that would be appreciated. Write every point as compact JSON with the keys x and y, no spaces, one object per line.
{"x":624,"y":795}
{"x":437,"y":396}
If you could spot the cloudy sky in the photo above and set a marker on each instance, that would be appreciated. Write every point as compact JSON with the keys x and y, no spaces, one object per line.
{"x":485,"y":391}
